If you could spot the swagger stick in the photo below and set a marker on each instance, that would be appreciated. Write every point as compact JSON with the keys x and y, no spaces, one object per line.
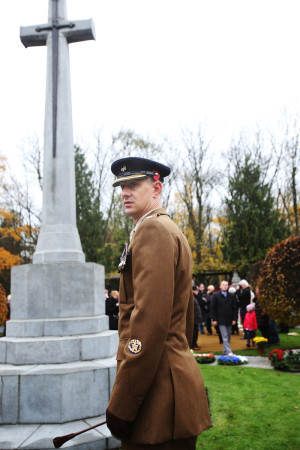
{"x":60,"y":440}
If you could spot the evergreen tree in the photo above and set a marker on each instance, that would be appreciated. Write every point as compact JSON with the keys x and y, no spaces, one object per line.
{"x":89,"y":217}
{"x":118,"y":231}
{"x":254,"y":225}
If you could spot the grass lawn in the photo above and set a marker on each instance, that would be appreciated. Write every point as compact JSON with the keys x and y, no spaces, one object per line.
{"x":252,"y":408}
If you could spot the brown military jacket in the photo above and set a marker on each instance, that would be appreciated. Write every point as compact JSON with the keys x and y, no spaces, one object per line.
{"x":159,"y":387}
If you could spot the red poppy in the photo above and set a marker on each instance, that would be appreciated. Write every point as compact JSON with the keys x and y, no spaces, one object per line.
{"x":279,"y":352}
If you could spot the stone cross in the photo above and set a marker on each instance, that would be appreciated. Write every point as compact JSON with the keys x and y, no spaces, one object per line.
{"x":58,"y":239}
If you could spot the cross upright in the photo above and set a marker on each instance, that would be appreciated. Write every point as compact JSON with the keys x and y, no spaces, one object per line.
{"x":58,"y":239}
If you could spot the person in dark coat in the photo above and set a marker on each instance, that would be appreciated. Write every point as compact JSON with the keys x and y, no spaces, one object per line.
{"x":197,"y":319}
{"x":200,"y":297}
{"x":244,"y":297}
{"x":210,"y":291}
{"x":224,"y":314}
{"x":112,"y":310}
{"x":235,"y":328}
{"x":8,"y":300}
{"x":266,"y":325}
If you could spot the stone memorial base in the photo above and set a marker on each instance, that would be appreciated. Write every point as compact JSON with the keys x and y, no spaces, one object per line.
{"x":57,"y":361}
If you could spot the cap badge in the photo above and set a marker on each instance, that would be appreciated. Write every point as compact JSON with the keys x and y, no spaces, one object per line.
{"x":123,"y":169}
{"x":134,"y":346}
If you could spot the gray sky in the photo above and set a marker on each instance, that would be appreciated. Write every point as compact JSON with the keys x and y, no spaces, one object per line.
{"x":157,"y":66}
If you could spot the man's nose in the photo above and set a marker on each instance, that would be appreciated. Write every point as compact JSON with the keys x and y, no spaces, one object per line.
{"x":125,"y":192}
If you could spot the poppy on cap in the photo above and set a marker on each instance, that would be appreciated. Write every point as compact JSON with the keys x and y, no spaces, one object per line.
{"x":134,"y":168}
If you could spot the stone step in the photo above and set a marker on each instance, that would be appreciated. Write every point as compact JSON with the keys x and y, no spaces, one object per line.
{"x":55,"y":393}
{"x":37,"y":436}
{"x":67,"y":326}
{"x":58,"y":349}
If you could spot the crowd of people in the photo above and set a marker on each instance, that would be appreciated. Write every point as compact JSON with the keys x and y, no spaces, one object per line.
{"x":227,"y":306}
{"x":234,"y":307}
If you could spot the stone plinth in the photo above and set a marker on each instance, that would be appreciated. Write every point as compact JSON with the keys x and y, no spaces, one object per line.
{"x":56,"y":349}
{"x":55,"y":393}
{"x":57,"y":361}
{"x":57,"y":290}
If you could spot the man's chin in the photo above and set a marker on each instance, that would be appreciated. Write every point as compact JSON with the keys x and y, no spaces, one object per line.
{"x":129,"y":210}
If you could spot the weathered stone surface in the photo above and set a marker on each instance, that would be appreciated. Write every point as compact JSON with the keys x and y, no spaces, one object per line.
{"x":57,"y":290}
{"x":9,"y":399}
{"x":51,"y":350}
{"x":55,"y":393}
{"x":12,"y":436}
{"x":38,"y":436}
{"x":67,"y":326}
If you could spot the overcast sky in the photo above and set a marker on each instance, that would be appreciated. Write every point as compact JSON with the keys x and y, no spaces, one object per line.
{"x":157,"y":66}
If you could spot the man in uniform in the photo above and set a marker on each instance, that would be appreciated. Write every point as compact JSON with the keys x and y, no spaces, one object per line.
{"x":158,"y":400}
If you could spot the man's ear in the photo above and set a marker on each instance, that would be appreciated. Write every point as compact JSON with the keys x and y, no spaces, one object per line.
{"x":157,"y":188}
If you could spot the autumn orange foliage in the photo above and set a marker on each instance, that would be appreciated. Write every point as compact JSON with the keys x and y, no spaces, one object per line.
{"x":3,"y":306}
{"x":10,"y":230}
{"x":8,"y":260}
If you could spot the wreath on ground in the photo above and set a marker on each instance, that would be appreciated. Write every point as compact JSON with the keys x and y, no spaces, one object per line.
{"x":231,"y":360}
{"x":287,"y":360}
{"x":204,"y":358}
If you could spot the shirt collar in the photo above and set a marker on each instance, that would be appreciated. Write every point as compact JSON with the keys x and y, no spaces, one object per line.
{"x":143,"y":217}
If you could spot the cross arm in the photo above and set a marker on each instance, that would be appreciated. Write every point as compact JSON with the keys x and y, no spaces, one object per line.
{"x":81,"y":30}
{"x":31,"y":38}
{"x":84,"y":30}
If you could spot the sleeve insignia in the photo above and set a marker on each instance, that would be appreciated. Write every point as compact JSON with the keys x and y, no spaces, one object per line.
{"x":134,"y":346}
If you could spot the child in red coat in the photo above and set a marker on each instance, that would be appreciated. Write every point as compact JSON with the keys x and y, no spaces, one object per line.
{"x":250,"y":324}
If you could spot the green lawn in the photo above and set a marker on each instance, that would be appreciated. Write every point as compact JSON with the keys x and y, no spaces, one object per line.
{"x":252,"y":409}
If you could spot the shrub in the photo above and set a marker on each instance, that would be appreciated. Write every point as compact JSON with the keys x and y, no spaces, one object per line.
{"x":254,"y":273}
{"x":279,"y":281}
